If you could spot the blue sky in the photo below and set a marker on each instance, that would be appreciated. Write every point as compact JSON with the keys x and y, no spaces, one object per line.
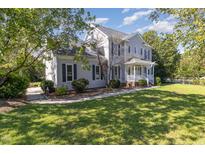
{"x":131,"y":20}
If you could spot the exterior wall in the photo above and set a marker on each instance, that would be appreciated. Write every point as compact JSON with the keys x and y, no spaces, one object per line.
{"x":80,"y":73}
{"x":54,"y":66}
{"x":136,"y":42}
{"x":50,"y":69}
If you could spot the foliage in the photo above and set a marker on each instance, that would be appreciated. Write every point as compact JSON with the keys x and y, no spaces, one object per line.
{"x":196,"y":82}
{"x":15,"y":86}
{"x":202,"y":82}
{"x":172,"y":114}
{"x":158,"y":81}
{"x":165,"y":53}
{"x":80,"y":84}
{"x":114,"y":84}
{"x":191,"y":65}
{"x":142,"y":83}
{"x":47,"y":84}
{"x":189,"y":32}
{"x":35,"y":84}
{"x":28,"y":32}
{"x":36,"y":71}
{"x":199,"y":82}
{"x":61,"y":91}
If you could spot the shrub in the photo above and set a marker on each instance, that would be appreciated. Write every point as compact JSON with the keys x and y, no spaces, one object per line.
{"x":80,"y":84}
{"x":47,"y":84}
{"x":196,"y":82}
{"x":114,"y":84}
{"x":158,"y":81}
{"x":61,"y":91}
{"x":142,"y":82}
{"x":202,"y":82}
{"x":15,"y":86}
{"x":35,"y":84}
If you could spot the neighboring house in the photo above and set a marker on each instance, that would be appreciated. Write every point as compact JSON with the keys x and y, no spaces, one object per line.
{"x":128,"y":57}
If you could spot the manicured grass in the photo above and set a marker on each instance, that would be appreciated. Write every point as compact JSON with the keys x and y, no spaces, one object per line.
{"x":171,"y":114}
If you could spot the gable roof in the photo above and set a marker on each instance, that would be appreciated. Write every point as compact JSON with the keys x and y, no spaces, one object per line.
{"x":72,"y":52}
{"x":111,"y":32}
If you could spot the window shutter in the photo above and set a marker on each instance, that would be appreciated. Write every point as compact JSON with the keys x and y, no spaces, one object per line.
{"x":93,"y":70}
{"x":63,"y":73}
{"x":119,"y":72}
{"x":75,"y":71}
{"x":101,"y":73}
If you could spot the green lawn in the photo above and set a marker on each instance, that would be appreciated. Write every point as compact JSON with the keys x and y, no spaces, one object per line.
{"x":171,"y":114}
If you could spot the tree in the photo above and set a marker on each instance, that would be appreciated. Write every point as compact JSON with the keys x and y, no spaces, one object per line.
{"x":34,"y":32}
{"x":191,"y":65}
{"x":189,"y":31}
{"x":190,"y":25}
{"x":165,"y":53}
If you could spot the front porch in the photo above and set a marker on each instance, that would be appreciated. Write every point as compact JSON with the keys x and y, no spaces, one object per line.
{"x":137,"y":69}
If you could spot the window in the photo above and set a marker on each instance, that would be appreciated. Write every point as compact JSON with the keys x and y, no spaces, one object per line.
{"x":115,"y":71}
{"x":97,"y":75}
{"x":129,"y":71}
{"x":149,"y":54}
{"x":135,"y":50}
{"x":69,"y":72}
{"x":145,"y":70}
{"x":152,"y":70}
{"x":129,"y":49}
{"x":148,"y":72}
{"x":119,"y":50}
{"x":145,"y":54}
{"x":141,"y":52}
{"x":112,"y":50}
{"x":138,"y":70}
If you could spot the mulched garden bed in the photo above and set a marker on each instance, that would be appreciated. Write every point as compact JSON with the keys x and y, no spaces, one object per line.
{"x":72,"y":95}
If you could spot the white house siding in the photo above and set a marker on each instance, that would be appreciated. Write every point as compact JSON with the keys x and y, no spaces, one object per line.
{"x":87,"y":74}
{"x":136,"y":42}
{"x":50,"y":69}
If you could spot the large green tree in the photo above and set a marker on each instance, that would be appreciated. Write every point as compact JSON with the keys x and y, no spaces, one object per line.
{"x":165,"y":53}
{"x":189,"y":31}
{"x":34,"y":32}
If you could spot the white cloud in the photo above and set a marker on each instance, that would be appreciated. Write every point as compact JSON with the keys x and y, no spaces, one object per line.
{"x":161,"y":26}
{"x":137,"y":15}
{"x":125,"y":10}
{"x":101,"y":20}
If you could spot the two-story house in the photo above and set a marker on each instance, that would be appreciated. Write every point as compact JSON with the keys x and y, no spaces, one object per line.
{"x":128,"y":58}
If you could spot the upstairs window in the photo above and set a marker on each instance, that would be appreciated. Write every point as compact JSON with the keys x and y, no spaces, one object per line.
{"x":149,"y":55}
{"x":145,"y":54}
{"x":129,"y":49}
{"x":141,"y":52}
{"x":112,"y":48}
{"x":119,"y":50}
{"x":135,"y":50}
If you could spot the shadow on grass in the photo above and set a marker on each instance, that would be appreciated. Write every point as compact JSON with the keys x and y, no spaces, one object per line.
{"x":146,"y":117}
